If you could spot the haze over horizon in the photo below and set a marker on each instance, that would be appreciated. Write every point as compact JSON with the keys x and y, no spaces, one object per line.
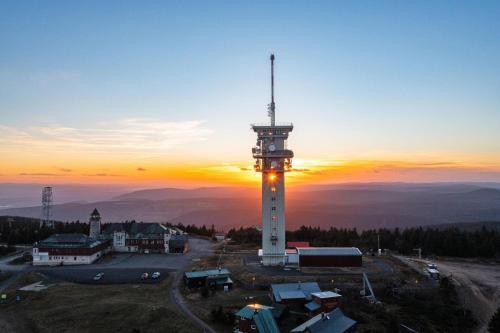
{"x":163,"y":94}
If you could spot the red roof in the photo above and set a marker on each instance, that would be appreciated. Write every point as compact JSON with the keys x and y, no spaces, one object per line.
{"x":297,"y":244}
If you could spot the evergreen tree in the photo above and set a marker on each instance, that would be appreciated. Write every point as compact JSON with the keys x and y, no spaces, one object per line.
{"x":494,"y":325}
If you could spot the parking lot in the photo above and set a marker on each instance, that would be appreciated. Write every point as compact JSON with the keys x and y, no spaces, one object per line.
{"x":125,"y":267}
{"x":111,"y":275}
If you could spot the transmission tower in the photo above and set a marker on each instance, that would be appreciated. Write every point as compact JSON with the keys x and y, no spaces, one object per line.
{"x":46,"y":207}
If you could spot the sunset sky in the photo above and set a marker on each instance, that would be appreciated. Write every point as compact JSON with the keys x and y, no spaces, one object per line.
{"x":162,"y":93}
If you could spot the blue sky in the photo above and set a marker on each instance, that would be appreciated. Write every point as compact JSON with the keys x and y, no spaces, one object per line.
{"x":361,"y":80}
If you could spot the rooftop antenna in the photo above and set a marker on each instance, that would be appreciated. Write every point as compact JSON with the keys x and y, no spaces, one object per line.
{"x":272,"y":106}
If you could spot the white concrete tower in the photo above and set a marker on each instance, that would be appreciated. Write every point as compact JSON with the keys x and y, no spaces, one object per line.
{"x":273,"y":159}
{"x":95,"y":224}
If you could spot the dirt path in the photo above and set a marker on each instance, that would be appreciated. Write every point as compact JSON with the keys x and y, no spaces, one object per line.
{"x":478,"y":287}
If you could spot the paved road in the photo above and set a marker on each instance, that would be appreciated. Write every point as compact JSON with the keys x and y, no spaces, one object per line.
{"x":15,"y":270}
{"x":203,"y":248}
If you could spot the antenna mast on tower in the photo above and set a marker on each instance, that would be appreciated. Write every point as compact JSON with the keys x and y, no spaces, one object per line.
{"x":272,"y":106}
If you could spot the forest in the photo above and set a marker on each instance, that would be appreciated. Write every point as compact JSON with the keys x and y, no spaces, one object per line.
{"x":440,"y":242}
{"x":450,"y":241}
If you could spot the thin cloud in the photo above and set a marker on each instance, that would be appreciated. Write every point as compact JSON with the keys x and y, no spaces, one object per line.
{"x":125,"y":135}
{"x":300,"y":170}
{"x":101,"y":175}
{"x":140,"y":169}
{"x":40,"y":174}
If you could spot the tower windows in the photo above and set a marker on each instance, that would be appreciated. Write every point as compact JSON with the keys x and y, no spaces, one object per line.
{"x":273,"y":208}
{"x":273,"y":188}
{"x":273,"y":198}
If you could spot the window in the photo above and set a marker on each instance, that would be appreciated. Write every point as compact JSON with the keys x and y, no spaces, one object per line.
{"x":273,"y":208}
{"x":273,"y":198}
{"x":273,"y":189}
{"x":274,"y":218}
{"x":252,"y":327}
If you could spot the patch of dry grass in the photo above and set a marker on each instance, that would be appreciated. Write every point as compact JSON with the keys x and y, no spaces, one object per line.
{"x":69,"y":307}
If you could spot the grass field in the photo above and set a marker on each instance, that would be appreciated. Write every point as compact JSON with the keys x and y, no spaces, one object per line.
{"x":69,"y":307}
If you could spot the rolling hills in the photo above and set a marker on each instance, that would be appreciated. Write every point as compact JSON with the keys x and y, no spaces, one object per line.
{"x":350,"y":205}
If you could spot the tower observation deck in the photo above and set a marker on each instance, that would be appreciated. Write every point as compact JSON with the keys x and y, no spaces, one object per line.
{"x":273,"y":159}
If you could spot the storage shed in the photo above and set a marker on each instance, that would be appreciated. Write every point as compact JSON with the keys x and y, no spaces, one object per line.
{"x":213,"y":278}
{"x":329,"y":257}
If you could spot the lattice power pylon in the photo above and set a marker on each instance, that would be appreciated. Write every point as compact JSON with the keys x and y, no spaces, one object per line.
{"x":47,"y":200}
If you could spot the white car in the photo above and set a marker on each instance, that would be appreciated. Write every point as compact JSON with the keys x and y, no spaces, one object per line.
{"x":155,"y":275}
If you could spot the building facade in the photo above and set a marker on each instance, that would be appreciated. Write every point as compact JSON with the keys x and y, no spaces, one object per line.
{"x":324,"y":301}
{"x":69,"y":249}
{"x":212,"y":278}
{"x":144,"y":238}
{"x":273,"y":159}
{"x":330,"y":257}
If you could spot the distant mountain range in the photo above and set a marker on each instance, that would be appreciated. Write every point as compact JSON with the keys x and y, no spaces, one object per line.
{"x":341,"y":205}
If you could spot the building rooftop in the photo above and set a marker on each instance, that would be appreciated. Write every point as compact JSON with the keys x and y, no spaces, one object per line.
{"x":329,"y":251}
{"x":207,"y":273}
{"x":333,"y":322}
{"x":292,"y":294}
{"x":292,"y":290}
{"x":133,"y":228}
{"x":249,"y":311}
{"x":312,"y":305}
{"x":262,"y":316}
{"x":326,"y":294}
{"x":68,"y":241}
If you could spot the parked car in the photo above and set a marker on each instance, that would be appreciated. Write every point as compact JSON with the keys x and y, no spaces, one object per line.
{"x":144,"y":276}
{"x":155,"y":275}
{"x":431,"y":266}
{"x":98,"y":276}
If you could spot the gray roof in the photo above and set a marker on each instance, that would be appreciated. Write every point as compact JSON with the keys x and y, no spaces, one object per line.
{"x":293,"y":294}
{"x":207,"y":273}
{"x":293,"y":289}
{"x":68,"y":241}
{"x":142,"y":230}
{"x":312,"y":305}
{"x":333,"y":322}
{"x":329,"y":251}
{"x":326,"y":294}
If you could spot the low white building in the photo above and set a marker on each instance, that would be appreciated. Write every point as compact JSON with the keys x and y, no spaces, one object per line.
{"x":69,"y":249}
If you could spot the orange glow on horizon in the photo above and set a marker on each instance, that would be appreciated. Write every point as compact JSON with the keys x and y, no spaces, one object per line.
{"x":183,"y":173}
